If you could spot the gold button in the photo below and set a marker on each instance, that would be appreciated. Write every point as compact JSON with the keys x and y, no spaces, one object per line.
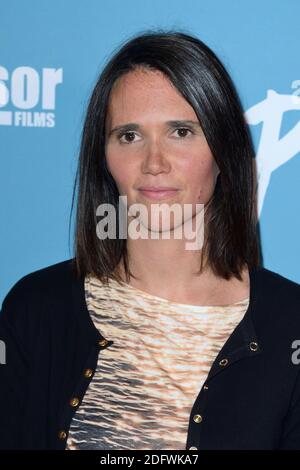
{"x":253,"y":346}
{"x":88,"y":373}
{"x":62,"y":435}
{"x":103,"y":342}
{"x":223,"y":362}
{"x":197,"y":418}
{"x":193,"y":448}
{"x":205,"y":387}
{"x":74,"y":401}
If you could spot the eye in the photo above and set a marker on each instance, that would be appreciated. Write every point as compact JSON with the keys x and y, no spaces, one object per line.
{"x":184,"y":130}
{"x":129,"y":134}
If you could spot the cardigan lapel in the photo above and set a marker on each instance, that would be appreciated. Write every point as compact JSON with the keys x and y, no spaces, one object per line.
{"x":243,"y":341}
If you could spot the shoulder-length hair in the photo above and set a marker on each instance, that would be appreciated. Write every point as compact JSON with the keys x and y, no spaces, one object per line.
{"x":230,"y":236}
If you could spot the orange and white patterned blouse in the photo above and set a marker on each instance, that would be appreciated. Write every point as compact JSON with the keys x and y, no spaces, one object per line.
{"x":146,"y":382}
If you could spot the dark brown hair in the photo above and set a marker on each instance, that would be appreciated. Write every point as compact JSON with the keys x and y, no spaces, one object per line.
{"x":231,"y":237}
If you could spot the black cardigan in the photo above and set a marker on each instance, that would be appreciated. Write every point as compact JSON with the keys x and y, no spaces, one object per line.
{"x":250,"y":399}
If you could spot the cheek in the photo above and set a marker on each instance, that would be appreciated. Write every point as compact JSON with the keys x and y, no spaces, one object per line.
{"x":121,"y":171}
{"x":200,"y":176}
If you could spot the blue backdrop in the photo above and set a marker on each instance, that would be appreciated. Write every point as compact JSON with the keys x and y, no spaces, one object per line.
{"x":51,"y":54}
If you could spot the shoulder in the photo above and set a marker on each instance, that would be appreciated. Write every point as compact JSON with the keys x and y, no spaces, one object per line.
{"x":42,"y":282}
{"x":40,"y":302}
{"x":38,"y":293}
{"x":274,"y":284}
{"x":276,"y":302}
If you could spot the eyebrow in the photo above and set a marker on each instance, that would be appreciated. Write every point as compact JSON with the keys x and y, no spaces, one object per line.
{"x":132,"y":126}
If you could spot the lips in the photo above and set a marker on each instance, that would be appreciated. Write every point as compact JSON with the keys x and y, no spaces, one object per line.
{"x":157,"y":188}
{"x":158,"y":192}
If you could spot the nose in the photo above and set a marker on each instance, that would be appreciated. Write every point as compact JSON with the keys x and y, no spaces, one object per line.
{"x":155,"y":160}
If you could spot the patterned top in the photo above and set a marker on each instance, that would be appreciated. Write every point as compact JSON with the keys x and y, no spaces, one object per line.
{"x":146,"y":382}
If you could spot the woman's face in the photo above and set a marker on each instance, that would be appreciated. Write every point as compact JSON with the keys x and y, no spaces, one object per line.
{"x":151,"y":150}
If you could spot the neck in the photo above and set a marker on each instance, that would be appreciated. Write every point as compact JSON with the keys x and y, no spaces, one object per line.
{"x":162,"y":268}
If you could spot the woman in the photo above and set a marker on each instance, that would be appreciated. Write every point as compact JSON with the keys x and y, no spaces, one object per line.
{"x":138,"y":342}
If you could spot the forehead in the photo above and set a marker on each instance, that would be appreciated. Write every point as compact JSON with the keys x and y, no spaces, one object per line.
{"x":142,"y":92}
